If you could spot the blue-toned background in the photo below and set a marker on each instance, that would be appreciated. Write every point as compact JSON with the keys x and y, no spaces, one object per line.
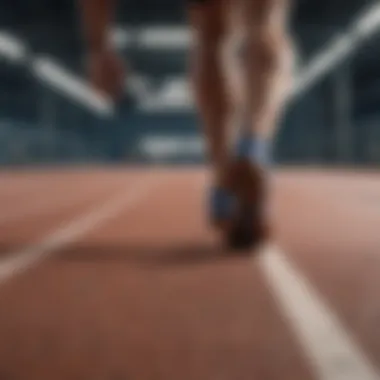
{"x":46,"y":117}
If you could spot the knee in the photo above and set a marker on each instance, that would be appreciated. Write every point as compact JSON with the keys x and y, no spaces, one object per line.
{"x":270,"y":47}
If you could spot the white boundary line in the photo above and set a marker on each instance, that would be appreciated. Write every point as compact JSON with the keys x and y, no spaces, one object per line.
{"x":43,"y":206}
{"x":332,"y":351}
{"x":22,"y":260}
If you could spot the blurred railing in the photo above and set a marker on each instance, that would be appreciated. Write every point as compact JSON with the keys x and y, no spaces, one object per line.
{"x":335,"y":121}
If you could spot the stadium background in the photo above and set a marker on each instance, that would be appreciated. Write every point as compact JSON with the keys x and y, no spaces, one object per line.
{"x":49,"y":116}
{"x":111,"y":271}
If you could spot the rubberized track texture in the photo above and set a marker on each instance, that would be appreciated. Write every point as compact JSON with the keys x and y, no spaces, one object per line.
{"x":115,"y":275}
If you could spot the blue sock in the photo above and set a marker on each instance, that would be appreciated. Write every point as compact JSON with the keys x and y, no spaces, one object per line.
{"x":257,"y":150}
{"x":221,"y":203}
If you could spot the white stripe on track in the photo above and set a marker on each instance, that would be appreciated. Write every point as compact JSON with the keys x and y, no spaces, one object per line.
{"x":45,"y":205}
{"x":21,"y":260}
{"x":332,"y":351}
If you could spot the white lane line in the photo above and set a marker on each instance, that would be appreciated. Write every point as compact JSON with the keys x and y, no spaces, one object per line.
{"x":21,"y":260}
{"x":44,"y":205}
{"x":332,"y":351}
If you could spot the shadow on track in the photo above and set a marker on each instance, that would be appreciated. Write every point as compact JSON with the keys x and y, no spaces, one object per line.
{"x":148,"y":254}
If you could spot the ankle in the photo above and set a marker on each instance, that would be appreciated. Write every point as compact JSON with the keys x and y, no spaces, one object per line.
{"x":254,"y":148}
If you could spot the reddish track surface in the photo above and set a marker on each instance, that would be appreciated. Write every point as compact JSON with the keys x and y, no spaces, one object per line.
{"x":149,"y":294}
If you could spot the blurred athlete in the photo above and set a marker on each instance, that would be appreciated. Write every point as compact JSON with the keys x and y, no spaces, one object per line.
{"x":239,"y":178}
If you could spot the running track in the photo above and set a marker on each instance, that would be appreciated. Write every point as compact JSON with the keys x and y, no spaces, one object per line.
{"x":114,"y":275}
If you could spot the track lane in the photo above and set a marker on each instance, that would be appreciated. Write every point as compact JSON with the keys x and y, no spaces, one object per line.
{"x":158,"y":288}
{"x":20,"y":230}
{"x":149,"y":286}
{"x":332,"y":234}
